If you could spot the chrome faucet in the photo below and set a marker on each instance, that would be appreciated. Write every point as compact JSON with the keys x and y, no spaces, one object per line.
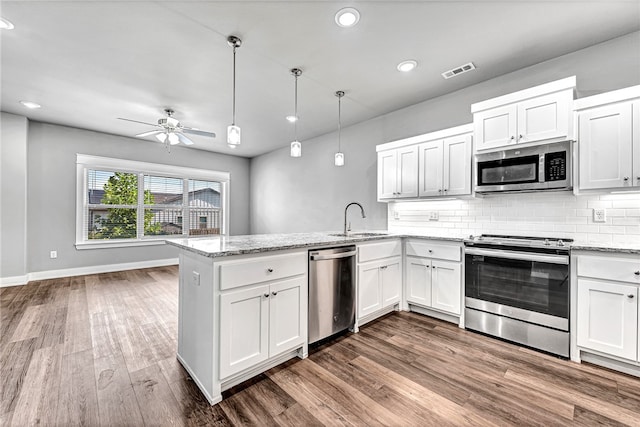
{"x":345,"y":215}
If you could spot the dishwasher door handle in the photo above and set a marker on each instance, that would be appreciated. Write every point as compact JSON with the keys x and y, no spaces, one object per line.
{"x":321,"y":257}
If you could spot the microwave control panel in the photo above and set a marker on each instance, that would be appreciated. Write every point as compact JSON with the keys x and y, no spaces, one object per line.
{"x":555,"y":166}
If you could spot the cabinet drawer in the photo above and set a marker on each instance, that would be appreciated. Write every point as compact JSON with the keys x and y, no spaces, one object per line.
{"x":378,"y":250}
{"x":266,"y":268}
{"x":433,"y":250}
{"x":618,"y":269}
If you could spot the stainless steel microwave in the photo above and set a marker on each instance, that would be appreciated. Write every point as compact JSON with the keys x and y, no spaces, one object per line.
{"x":538,"y":168}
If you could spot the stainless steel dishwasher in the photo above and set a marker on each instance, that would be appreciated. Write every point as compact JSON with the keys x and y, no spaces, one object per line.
{"x":332,"y":291}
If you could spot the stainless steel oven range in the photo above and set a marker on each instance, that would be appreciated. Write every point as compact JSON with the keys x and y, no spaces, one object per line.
{"x":517,"y":289}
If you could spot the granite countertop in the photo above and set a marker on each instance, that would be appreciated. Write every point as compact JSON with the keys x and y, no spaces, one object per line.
{"x":623,"y":248}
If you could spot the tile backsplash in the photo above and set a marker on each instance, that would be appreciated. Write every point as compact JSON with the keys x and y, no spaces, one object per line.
{"x":556,"y":214}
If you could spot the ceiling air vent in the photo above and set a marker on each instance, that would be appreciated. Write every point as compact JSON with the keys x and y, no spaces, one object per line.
{"x":458,"y":70}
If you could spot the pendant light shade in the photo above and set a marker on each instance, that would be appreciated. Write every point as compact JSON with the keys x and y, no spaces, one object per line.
{"x":338,"y":159}
{"x":233,"y":130}
{"x":296,"y":147}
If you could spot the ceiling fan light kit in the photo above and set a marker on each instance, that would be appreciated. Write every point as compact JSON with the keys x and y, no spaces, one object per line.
{"x":296,"y":147}
{"x":233,"y":131}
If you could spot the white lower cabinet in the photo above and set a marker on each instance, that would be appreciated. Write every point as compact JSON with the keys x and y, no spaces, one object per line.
{"x":259,"y":323}
{"x":434,"y":275}
{"x":607,"y":306}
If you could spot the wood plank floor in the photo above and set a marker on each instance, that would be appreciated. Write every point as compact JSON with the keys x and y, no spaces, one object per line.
{"x":99,"y":350}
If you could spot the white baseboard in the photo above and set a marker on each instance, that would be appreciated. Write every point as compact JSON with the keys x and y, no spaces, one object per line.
{"x":80,"y":271}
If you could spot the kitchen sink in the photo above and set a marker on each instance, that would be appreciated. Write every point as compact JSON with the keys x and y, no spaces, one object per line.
{"x":358,"y":234}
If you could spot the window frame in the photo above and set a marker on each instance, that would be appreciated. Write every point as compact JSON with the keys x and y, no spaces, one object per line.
{"x":85,"y":162}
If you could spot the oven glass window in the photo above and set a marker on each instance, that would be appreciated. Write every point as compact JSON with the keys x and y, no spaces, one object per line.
{"x":508,"y":171}
{"x":535,"y":286}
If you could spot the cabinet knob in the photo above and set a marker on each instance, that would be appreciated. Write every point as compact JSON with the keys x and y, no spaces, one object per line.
{"x":383,"y":267}
{"x":439,"y":191}
{"x":445,"y":190}
{"x":512,"y":137}
{"x":630,"y":295}
{"x":637,"y":273}
{"x":269,"y":270}
{"x":626,"y":178}
{"x":266,"y":295}
{"x":430,"y":251}
{"x":274,"y":293}
{"x":520,"y":137}
{"x":433,"y":266}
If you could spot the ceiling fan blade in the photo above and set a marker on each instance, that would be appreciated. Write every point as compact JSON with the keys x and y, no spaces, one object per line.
{"x":136,"y":121}
{"x":150,"y":133}
{"x":184,"y":139}
{"x":198,"y":132}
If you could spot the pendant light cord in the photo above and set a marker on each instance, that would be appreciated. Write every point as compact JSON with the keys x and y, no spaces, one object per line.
{"x":295,"y":108}
{"x":339,"y":122}
{"x":234,"y":86}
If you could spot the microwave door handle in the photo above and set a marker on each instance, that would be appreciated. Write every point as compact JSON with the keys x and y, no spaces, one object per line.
{"x":522,"y":256}
{"x":541,"y":171}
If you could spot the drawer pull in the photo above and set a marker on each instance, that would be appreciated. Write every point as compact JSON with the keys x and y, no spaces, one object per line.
{"x":630,"y":295}
{"x":269,"y":270}
{"x":384,"y":267}
{"x":637,"y":273}
{"x":266,"y":295}
{"x":274,"y":293}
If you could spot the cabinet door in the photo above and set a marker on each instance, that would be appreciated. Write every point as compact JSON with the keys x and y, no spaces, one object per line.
{"x":391,"y":282}
{"x":608,"y":318}
{"x":430,"y":169}
{"x":418,"y":274}
{"x":457,"y":165}
{"x":244,"y":329}
{"x":286,"y":325}
{"x":544,"y":117}
{"x":369,"y":291}
{"x":446,"y":283}
{"x":407,"y":181}
{"x":495,"y":127}
{"x":605,"y":147}
{"x":636,"y":143}
{"x":387,"y":174}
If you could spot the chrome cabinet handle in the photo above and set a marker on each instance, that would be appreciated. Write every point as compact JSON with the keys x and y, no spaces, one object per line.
{"x":269,"y":270}
{"x":266,"y":295}
{"x":274,"y":293}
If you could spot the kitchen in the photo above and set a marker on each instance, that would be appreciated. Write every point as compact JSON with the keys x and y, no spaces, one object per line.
{"x":270,"y":193}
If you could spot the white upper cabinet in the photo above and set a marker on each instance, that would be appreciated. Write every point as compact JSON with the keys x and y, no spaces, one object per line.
{"x":398,"y":173}
{"x":429,"y":165}
{"x":537,"y":115}
{"x":609,"y":140}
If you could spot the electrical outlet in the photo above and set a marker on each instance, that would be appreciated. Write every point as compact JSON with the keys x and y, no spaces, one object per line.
{"x":195,"y":278}
{"x":53,"y":254}
{"x":396,"y":215}
{"x":599,"y":215}
{"x":434,"y":216}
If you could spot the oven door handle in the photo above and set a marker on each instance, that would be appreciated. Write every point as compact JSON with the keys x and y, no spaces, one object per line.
{"x":524,"y":256}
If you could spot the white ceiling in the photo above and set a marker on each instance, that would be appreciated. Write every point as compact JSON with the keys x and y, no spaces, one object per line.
{"x":89,"y":62}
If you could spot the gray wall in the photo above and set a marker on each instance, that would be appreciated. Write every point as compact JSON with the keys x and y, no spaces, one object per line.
{"x":309,"y":193}
{"x":51,"y":216}
{"x":13,"y":195}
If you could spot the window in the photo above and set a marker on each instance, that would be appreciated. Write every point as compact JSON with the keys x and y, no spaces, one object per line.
{"x":122,"y":202}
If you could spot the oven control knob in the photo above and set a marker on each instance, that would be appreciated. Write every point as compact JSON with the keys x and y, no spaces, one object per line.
{"x":560,"y":242}
{"x":547,"y":242}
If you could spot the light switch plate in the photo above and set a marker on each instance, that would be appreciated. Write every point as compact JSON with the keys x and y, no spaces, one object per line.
{"x":195,"y":278}
{"x":434,"y":216}
{"x":599,"y":215}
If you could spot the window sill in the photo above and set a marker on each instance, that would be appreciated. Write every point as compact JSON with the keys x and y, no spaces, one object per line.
{"x":119,"y":244}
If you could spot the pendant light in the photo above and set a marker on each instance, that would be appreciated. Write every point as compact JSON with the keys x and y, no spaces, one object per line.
{"x":233,"y":131}
{"x":296,"y":147}
{"x":339,"y":156}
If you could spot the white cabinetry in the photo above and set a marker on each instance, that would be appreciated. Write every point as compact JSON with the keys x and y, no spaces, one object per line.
{"x":398,"y":173}
{"x":538,"y":114}
{"x":434,"y":275}
{"x":429,"y":165}
{"x":444,"y":165}
{"x":607,"y":305}
{"x":379,"y":278}
{"x":609,"y":140}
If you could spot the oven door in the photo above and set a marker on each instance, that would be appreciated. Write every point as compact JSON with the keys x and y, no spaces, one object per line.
{"x":526,"y":286}
{"x":508,"y":174}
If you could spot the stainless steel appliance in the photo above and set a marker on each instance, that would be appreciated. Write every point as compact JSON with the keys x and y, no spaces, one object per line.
{"x":517,"y":288}
{"x":543,"y":167}
{"x":332,"y":291}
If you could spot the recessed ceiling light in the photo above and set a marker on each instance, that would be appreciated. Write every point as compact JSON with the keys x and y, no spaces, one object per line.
{"x":406,"y":66}
{"x":30,"y":104}
{"x":292,"y":118}
{"x":347,"y":17}
{"x":5,"y":25}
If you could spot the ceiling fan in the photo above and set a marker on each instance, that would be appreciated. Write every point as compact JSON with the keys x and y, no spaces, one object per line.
{"x":171,"y":131}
